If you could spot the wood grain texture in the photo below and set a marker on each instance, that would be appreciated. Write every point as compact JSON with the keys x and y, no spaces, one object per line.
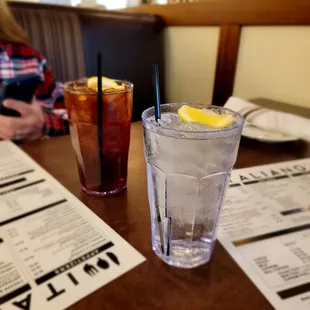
{"x":97,"y":11}
{"x":226,"y":63}
{"x":153,"y":285}
{"x":243,"y":12}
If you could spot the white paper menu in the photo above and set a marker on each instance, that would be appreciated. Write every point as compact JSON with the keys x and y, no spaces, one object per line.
{"x":53,"y":249}
{"x":265,"y":227}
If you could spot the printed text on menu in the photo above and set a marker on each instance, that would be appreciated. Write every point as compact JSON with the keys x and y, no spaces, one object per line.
{"x":265,"y":226}
{"x":53,"y":249}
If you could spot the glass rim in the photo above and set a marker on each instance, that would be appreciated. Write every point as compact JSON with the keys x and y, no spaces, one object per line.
{"x":73,"y":91}
{"x":225,"y":130}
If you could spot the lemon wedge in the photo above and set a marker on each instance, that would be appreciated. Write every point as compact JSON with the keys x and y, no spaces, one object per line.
{"x":189,"y":114}
{"x":108,"y":85}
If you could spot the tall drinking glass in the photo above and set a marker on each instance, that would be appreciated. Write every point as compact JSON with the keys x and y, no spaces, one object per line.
{"x":188,"y":169}
{"x":100,"y":136}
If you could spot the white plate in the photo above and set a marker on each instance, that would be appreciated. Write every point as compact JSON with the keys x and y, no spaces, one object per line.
{"x":253,"y":132}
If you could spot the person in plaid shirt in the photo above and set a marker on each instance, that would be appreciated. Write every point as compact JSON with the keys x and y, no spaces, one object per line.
{"x":41,"y":118}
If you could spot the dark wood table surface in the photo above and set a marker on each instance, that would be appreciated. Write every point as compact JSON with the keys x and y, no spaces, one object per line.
{"x":218,"y":285}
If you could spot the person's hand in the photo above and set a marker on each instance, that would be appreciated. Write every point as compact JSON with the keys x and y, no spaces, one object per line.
{"x":28,"y":127}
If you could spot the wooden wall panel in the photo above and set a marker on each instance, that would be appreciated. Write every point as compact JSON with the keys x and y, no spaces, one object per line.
{"x":231,"y":12}
{"x":226,"y":63}
{"x":230,"y":15}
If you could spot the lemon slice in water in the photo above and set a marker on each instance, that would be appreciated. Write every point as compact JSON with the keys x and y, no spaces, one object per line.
{"x":108,"y":85}
{"x":188,"y":114}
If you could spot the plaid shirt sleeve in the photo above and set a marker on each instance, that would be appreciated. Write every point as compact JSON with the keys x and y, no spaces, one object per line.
{"x":50,"y":94}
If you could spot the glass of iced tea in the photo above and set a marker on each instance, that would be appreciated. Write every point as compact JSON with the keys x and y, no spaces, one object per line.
{"x":100,"y":132}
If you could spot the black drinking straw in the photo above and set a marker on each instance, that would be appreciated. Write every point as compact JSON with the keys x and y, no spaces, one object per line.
{"x":158,"y":116}
{"x":156,"y":92}
{"x":100,"y":116}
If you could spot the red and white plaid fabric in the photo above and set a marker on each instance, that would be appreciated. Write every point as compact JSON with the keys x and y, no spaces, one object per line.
{"x":18,"y":59}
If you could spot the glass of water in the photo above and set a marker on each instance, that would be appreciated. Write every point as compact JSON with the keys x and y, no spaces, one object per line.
{"x":188,"y":169}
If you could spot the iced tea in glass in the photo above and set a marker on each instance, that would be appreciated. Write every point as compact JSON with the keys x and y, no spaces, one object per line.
{"x":100,"y":140}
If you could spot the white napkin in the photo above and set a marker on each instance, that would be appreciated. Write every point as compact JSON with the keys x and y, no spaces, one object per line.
{"x":271,"y":120}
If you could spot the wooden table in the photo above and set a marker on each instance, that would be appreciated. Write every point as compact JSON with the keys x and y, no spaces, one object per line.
{"x":218,"y":285}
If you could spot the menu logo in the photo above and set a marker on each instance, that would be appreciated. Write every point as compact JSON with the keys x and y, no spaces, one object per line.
{"x":56,"y":290}
{"x":24,"y":303}
{"x":90,"y":270}
{"x":74,"y":263}
{"x":268,"y":174}
{"x":11,"y":295}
